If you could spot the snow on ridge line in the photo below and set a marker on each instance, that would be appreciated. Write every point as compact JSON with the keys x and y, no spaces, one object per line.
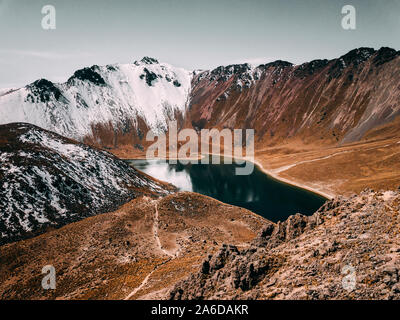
{"x":63,"y":182}
{"x":100,"y":95}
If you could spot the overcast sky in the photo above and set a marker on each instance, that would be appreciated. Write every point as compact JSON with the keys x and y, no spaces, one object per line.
{"x":191,"y":34}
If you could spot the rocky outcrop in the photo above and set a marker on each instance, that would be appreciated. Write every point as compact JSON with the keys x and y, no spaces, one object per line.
{"x":349,"y":249}
{"x":227,"y":270}
{"x":88,"y":74}
{"x":274,"y":234}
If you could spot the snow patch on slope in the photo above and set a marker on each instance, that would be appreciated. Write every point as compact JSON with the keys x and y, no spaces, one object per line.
{"x":48,"y":181}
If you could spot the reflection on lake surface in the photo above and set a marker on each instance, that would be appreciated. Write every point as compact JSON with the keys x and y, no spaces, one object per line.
{"x":257,"y":192}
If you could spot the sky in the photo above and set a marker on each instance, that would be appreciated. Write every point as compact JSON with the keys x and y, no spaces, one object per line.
{"x":199,"y":34}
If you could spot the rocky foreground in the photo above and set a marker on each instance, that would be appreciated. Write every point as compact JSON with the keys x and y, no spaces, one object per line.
{"x":188,"y":246}
{"x":349,"y":249}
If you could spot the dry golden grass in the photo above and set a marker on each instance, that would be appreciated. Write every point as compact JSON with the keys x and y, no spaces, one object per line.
{"x":110,"y":255}
{"x":338,"y":170}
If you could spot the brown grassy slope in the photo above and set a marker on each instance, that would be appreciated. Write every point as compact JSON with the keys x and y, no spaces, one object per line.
{"x":339,"y":170}
{"x":318,"y":103}
{"x":109,"y":256}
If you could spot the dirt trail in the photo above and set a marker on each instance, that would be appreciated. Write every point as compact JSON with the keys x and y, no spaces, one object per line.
{"x":145,"y":280}
{"x":158,"y":241}
{"x":155,"y":231}
{"x":141,"y":285}
{"x":284,"y":168}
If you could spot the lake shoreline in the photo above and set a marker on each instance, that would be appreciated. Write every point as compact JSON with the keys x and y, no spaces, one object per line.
{"x":270,"y":173}
{"x":276,"y":176}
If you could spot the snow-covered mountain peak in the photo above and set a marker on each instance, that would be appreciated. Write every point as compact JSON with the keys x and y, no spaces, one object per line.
{"x":146,"y":60}
{"x":102,"y":95}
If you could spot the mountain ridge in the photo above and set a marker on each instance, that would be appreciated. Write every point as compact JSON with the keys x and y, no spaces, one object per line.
{"x":47,"y":181}
{"x":115,"y":105}
{"x":167,"y":240}
{"x":324,"y":99}
{"x":119,"y":95}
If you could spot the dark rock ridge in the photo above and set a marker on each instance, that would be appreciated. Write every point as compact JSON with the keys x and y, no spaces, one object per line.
{"x":307,"y":257}
{"x":385,"y":54}
{"x":47,"y":180}
{"x":149,"y":76}
{"x":43,"y":91}
{"x":148,"y":60}
{"x":88,"y":74}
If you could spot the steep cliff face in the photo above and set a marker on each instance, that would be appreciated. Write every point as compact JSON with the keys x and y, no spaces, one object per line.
{"x":322,"y":101}
{"x":47,"y":181}
{"x":103,"y":105}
